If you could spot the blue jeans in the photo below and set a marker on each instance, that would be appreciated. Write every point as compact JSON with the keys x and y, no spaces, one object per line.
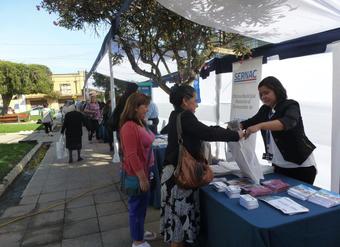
{"x":137,"y":211}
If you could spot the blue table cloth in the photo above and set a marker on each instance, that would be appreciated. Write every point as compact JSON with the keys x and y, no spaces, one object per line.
{"x":155,"y":195}
{"x":225,"y":223}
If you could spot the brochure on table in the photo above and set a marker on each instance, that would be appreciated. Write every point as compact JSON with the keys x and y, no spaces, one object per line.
{"x":284,"y":204}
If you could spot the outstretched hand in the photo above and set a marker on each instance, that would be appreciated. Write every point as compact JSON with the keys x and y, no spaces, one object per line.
{"x":241,"y":134}
{"x":250,"y":130}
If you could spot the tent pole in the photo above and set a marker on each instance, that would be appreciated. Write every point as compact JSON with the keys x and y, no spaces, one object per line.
{"x":84,"y":89}
{"x":335,"y":165}
{"x":218,"y":80}
{"x":115,"y":158}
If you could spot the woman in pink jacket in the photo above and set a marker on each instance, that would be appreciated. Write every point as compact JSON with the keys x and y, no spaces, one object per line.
{"x":136,"y":142}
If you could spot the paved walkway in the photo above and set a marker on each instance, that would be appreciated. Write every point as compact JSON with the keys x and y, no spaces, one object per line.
{"x":38,"y":135}
{"x":98,"y":218}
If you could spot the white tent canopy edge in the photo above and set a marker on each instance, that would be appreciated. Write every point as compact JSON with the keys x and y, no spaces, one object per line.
{"x":271,"y":21}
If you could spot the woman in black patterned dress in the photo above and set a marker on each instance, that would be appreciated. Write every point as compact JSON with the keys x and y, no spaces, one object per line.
{"x":180,"y":207}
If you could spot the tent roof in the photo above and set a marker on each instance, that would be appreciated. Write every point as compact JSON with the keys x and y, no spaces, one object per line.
{"x":272,"y":21}
{"x":308,"y":45}
{"x":291,"y":23}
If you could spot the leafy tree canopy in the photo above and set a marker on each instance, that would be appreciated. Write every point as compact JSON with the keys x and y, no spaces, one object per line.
{"x":17,"y":78}
{"x":149,"y":33}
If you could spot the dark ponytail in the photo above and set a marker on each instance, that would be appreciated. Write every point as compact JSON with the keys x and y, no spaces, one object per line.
{"x":180,"y":92}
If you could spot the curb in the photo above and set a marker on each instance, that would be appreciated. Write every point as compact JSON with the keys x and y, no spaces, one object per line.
{"x":9,"y":178}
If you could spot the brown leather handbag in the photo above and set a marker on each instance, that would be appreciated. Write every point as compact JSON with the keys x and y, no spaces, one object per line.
{"x":190,"y":173}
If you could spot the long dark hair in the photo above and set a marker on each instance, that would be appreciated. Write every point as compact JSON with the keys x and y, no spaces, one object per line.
{"x":130,"y":89}
{"x":178,"y":93}
{"x":133,"y":102}
{"x":274,"y":84}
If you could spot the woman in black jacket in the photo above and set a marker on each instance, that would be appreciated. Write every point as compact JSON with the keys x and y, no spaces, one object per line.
{"x":180,"y":207}
{"x":73,"y":126}
{"x":280,"y":122}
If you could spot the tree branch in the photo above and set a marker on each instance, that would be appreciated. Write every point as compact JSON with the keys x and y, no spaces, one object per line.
{"x":140,"y":71}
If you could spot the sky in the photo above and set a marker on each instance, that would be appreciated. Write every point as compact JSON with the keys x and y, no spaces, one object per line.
{"x":29,"y":36}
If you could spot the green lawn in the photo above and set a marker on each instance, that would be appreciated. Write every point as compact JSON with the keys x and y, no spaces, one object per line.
{"x":16,"y":127}
{"x":11,"y":154}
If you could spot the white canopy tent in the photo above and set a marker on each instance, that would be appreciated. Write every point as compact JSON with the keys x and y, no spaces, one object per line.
{"x":272,"y":21}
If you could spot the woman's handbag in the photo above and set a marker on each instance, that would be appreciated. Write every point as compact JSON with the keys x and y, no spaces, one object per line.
{"x":190,"y":173}
{"x":130,"y":184}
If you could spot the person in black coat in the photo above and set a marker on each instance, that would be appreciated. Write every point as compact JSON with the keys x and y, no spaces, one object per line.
{"x":115,"y":117}
{"x":73,"y":129}
{"x":180,"y":207}
{"x":107,"y":111}
{"x":286,"y":144}
{"x":113,"y":122}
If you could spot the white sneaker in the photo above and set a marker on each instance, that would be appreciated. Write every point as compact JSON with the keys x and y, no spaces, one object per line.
{"x":145,"y":244}
{"x":148,"y":235}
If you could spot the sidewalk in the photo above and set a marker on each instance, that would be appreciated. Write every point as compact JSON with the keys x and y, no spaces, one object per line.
{"x":98,"y":218}
{"x":38,"y":135}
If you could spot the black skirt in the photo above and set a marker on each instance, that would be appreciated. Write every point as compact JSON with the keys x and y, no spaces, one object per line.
{"x":73,"y":142}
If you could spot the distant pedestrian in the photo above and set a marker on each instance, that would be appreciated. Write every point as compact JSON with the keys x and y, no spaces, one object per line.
{"x":92,"y":110}
{"x":46,"y":119}
{"x":73,"y":129}
{"x":107,"y":111}
{"x":115,"y":118}
{"x":152,"y":116}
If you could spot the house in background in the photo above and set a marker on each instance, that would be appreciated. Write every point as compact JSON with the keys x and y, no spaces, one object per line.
{"x":65,"y":87}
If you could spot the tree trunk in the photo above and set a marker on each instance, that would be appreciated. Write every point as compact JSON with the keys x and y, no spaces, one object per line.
{"x":6,"y":99}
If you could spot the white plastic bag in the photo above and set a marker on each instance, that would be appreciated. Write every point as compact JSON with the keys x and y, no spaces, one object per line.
{"x":58,"y":118}
{"x":60,"y":148}
{"x":245,"y":157}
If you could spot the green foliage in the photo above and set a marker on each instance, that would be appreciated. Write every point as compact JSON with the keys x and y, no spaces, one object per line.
{"x":40,"y":78}
{"x":151,"y":31}
{"x":17,"y":78}
{"x":13,"y":128}
{"x":53,"y":95}
{"x":11,"y":154}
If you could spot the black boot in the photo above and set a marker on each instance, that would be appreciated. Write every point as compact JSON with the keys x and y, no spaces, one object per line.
{"x":79,"y":158}
{"x":70,"y":159}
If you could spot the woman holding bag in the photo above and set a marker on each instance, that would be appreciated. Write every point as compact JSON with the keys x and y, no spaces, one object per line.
{"x":180,"y":207}
{"x":136,"y":141}
{"x":286,"y":145}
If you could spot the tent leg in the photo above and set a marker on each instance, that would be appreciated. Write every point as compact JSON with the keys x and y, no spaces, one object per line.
{"x":335,"y":165}
{"x":218,"y":86}
{"x":115,"y":158}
